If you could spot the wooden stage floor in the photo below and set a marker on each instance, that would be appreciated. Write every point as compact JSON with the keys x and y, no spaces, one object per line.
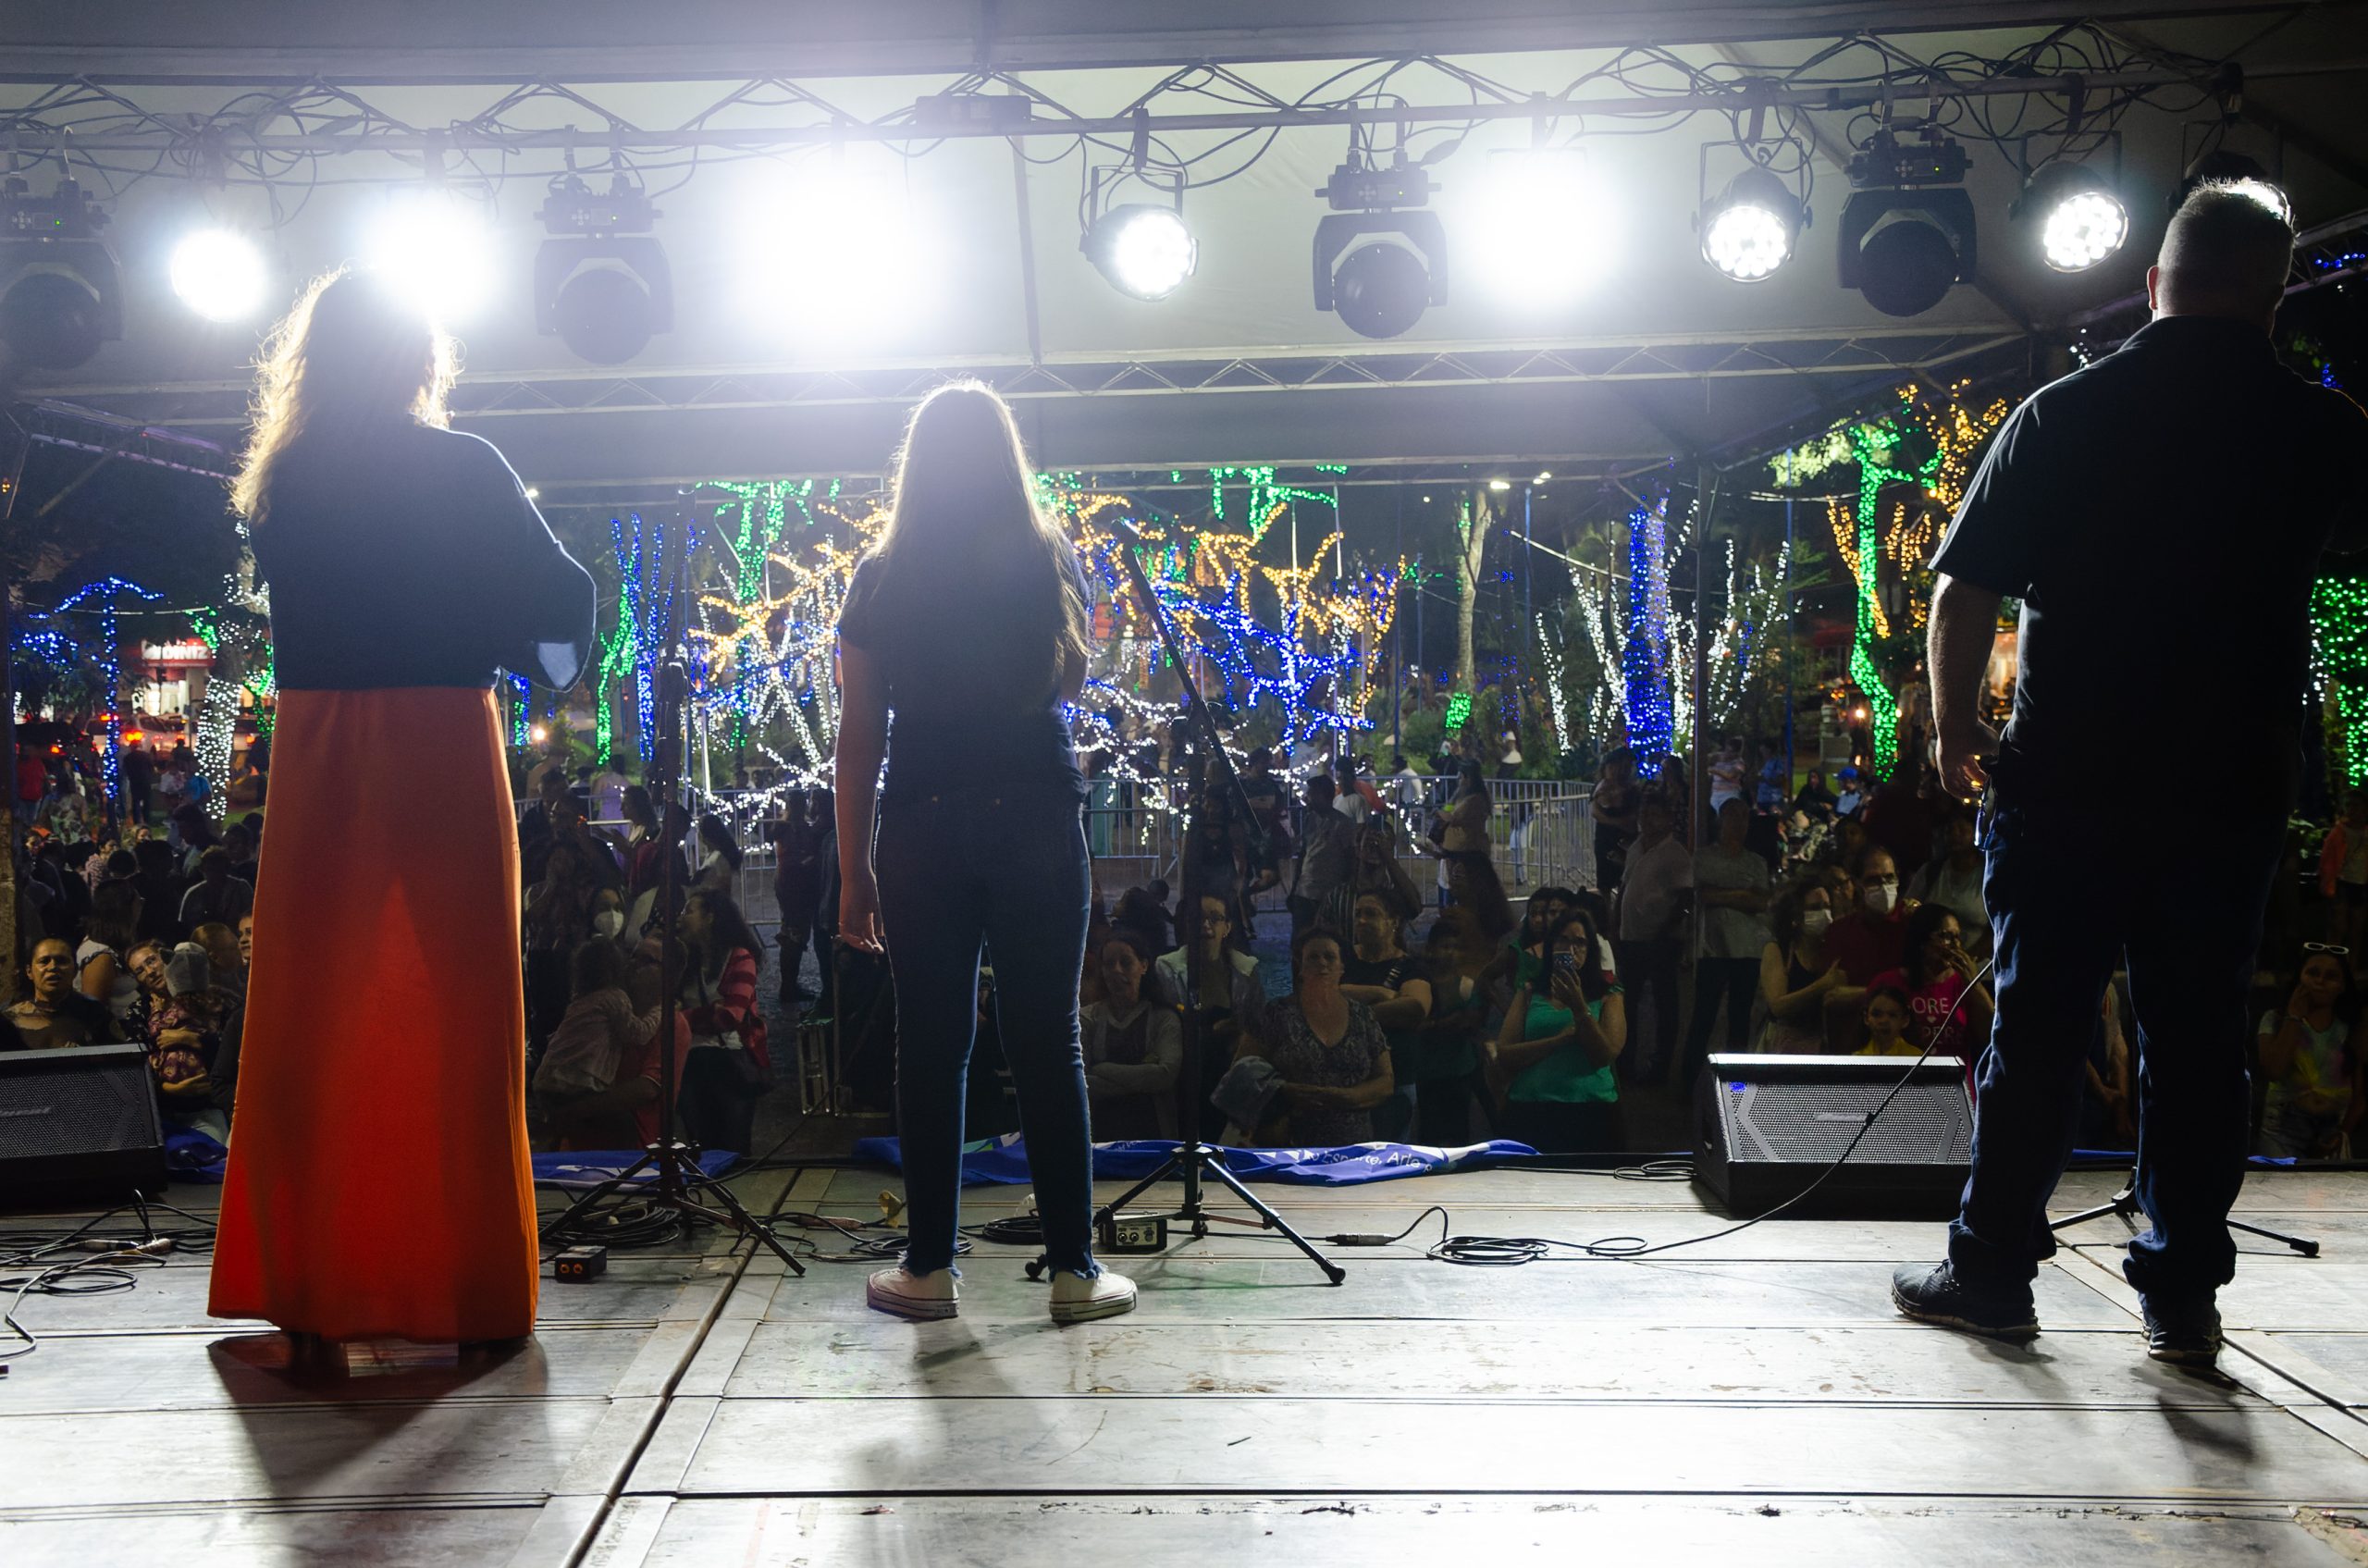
{"x":1754,"y":1399}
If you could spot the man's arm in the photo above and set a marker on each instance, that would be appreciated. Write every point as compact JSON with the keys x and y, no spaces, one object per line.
{"x":1965,"y":624}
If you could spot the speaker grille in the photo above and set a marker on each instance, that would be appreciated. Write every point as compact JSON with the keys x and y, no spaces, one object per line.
{"x":1814,"y":1122}
{"x":78,"y":1108}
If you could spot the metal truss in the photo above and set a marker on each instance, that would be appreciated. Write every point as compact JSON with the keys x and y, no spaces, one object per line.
{"x":587,"y":392}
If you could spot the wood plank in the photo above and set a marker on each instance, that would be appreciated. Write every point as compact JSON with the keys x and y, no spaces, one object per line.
{"x":475,"y":1450}
{"x":245,"y":1536}
{"x":132,"y":1371}
{"x":1190,"y":1532}
{"x":883,"y":1358}
{"x":1264,"y":1446}
{"x":1286,"y":1287}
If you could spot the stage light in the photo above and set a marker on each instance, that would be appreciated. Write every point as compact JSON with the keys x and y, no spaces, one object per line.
{"x":219,"y":274}
{"x":1907,"y":230}
{"x":2080,"y":220}
{"x":436,"y":251}
{"x":1500,"y":484}
{"x":1750,"y":230}
{"x":601,"y":283}
{"x":1145,"y":251}
{"x":1382,"y":287}
{"x":842,"y":260}
{"x":1542,"y":230}
{"x":61,"y":294}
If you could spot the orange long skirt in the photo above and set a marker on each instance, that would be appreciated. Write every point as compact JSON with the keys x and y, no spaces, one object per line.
{"x":379,"y":1182}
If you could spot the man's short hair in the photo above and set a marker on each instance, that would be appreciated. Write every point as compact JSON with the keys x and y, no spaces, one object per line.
{"x":215,"y":857}
{"x":2226,"y":243}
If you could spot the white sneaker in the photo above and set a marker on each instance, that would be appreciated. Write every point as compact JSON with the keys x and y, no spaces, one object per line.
{"x":1083,"y":1300}
{"x":923,"y":1297}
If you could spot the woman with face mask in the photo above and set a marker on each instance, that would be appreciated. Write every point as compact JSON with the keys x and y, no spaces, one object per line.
{"x":1795,"y":975}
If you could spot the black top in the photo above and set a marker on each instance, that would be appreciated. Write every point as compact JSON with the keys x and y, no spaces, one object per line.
{"x":2161,"y":514}
{"x":945,"y":735}
{"x":416,"y":559}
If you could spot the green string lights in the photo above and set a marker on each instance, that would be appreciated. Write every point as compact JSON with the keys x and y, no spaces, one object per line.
{"x":2339,"y":661}
{"x":1891,"y":453}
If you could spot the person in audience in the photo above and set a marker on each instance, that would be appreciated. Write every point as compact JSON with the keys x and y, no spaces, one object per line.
{"x":1134,"y":1046}
{"x":797,"y":885}
{"x":160,"y":885}
{"x":216,"y":897}
{"x":2343,"y":874}
{"x":1952,"y":878}
{"x":721,"y":872}
{"x":101,"y":972}
{"x":559,"y":917}
{"x":53,"y":1015}
{"x":1328,"y":1051}
{"x":1380,"y":973}
{"x":1522,"y":956}
{"x":1141,"y":915}
{"x":607,"y":792}
{"x":592,"y":1080}
{"x":1471,"y":874}
{"x":2317,"y":1094}
{"x":725,"y":1069}
{"x":196,"y":832}
{"x":1376,"y":870}
{"x":193,"y":1043}
{"x":221,"y":944}
{"x":2109,"y":1091}
{"x":1457,"y":960}
{"x":1795,"y":975}
{"x":239,"y":842}
{"x":1326,"y":856}
{"x":246,"y":944}
{"x":1902,"y":816}
{"x":1944,"y":998}
{"x":1814,"y":797}
{"x":1613,"y":808}
{"x":1868,"y":937}
{"x":1552,"y":1057}
{"x":1650,"y":911}
{"x":1885,"y":1018}
{"x":1851,"y":798}
{"x":1231,"y":1002}
{"x":1730,"y":883}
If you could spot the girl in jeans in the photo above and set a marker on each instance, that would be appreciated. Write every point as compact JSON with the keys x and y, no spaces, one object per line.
{"x":968,"y":619}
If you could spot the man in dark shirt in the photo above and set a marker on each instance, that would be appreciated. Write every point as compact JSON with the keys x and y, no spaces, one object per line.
{"x":2160,"y":516}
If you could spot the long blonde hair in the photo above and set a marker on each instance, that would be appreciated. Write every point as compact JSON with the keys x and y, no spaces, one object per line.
{"x":964,"y":496}
{"x":350,"y":354}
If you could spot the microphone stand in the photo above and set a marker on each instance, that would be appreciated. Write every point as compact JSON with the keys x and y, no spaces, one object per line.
{"x":680,"y":1183}
{"x":1194,"y":1159}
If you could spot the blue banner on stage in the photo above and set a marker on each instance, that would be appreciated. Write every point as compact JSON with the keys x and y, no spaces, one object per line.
{"x":1004,"y":1160}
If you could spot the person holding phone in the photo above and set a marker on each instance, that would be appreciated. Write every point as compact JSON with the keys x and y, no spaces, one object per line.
{"x":1552,"y":1058}
{"x":1936,"y":976}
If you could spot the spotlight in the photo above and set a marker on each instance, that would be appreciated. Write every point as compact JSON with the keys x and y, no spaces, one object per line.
{"x":1381,"y":289}
{"x":1145,"y":251}
{"x":604,"y":288}
{"x":2222,"y":166}
{"x":1750,"y":230}
{"x":843,"y":261}
{"x":219,"y":274}
{"x":1549,"y":232}
{"x":2081,"y":221}
{"x":61,"y":294}
{"x":1907,"y":230}
{"x":436,"y":250}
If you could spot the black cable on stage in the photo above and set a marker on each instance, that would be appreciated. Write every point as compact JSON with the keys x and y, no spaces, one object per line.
{"x":1505,"y":1252}
{"x":111,"y":1265}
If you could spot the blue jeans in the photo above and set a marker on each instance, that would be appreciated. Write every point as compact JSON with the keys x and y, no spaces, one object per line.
{"x":2075,"y":887}
{"x":956,"y":873}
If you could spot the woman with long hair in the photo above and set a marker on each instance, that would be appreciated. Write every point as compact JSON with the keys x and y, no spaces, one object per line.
{"x":1471,"y":875}
{"x":727,"y":1068}
{"x":407,"y":569}
{"x":967,"y":617}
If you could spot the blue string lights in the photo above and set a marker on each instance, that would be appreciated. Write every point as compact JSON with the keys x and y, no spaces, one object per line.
{"x":1644,"y":653}
{"x":107,"y":592}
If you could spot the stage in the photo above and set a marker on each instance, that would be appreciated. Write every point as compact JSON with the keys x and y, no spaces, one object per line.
{"x":1752,"y":1401}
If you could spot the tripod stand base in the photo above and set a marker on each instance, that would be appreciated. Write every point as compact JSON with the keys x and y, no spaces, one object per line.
{"x":680,"y":1187}
{"x":2124,"y":1204}
{"x":1194,"y":1160}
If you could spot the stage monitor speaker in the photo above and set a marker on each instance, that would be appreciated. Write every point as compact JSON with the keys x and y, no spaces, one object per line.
{"x":78,"y":1123}
{"x":1766,"y":1127}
